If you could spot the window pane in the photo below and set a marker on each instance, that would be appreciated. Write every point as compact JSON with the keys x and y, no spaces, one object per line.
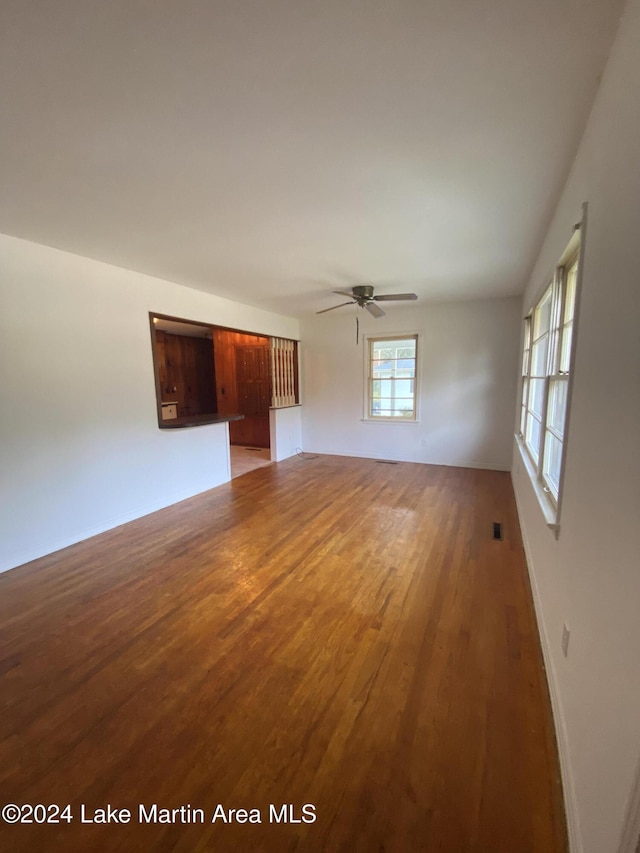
{"x":557,"y":405}
{"x":554,"y":350}
{"x":542,"y":315}
{"x":404,"y":388}
{"x":565,"y":349}
{"x":536,"y":396}
{"x":532,"y":438}
{"x":523,"y":419}
{"x":395,"y":402}
{"x":381,"y":388}
{"x":388,"y":349}
{"x":391,"y":367}
{"x":552,"y":460}
{"x":526,"y":346}
{"x":382,"y":352}
{"x":525,"y":391}
{"x":393,"y":408}
{"x":570,"y":297}
{"x":392,"y":388}
{"x":539,"y":357}
{"x":381,"y":368}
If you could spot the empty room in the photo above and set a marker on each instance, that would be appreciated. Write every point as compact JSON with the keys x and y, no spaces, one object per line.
{"x":319,"y":461}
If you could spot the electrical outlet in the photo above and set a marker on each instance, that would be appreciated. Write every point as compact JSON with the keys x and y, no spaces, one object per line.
{"x":566,"y":634}
{"x":424,"y":442}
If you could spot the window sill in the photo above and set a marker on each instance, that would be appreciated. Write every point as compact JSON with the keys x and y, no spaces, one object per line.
{"x":549,"y":511}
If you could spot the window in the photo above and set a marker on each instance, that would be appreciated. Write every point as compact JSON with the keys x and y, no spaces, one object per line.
{"x":546,"y":371}
{"x":391,"y":378}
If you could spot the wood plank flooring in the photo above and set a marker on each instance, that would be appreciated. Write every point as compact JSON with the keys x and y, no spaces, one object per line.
{"x":334,"y":632}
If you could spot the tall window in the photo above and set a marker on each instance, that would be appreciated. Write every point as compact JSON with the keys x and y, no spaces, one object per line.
{"x":546,"y":368}
{"x":392,"y":377}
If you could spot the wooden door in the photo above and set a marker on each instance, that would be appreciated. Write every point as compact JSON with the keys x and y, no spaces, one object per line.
{"x":252,"y":380}
{"x":253,"y":387}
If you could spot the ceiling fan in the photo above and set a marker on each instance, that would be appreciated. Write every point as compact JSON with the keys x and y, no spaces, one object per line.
{"x":362,"y":295}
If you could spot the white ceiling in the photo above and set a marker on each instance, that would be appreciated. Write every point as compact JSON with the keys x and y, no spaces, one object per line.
{"x":272,"y":150}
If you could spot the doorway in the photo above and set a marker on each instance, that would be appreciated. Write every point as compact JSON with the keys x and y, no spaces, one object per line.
{"x":245,"y":459}
{"x":244,"y":387}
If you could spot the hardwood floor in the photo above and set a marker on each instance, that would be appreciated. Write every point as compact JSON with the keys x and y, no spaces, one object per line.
{"x":331,"y":631}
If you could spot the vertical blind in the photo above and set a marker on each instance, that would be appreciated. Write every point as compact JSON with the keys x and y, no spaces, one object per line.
{"x":283,"y":372}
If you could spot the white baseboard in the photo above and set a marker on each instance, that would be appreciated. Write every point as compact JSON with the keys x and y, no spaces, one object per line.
{"x":570,"y":802}
{"x":481,"y":466}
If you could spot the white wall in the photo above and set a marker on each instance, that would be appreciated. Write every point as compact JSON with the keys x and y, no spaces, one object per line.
{"x":590,"y":577}
{"x":468,"y":368}
{"x":80,"y":448}
{"x":286,"y":432}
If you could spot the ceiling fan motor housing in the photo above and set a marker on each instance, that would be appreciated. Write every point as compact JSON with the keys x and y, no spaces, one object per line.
{"x":363,"y":292}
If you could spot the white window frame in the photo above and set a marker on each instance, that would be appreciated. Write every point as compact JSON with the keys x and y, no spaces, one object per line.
{"x":368,"y":417}
{"x":549,"y":493}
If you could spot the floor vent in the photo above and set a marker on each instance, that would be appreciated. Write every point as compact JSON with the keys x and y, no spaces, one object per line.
{"x":385,"y":462}
{"x":497,"y":530}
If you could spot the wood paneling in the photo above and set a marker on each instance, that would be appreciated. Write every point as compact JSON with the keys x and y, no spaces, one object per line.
{"x":242,"y":394}
{"x":187,"y":373}
{"x":328,"y":631}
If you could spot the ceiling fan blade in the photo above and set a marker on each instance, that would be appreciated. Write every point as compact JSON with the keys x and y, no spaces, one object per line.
{"x":343,"y":293}
{"x":333,"y":307}
{"x":391,"y":297}
{"x":373,"y":309}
